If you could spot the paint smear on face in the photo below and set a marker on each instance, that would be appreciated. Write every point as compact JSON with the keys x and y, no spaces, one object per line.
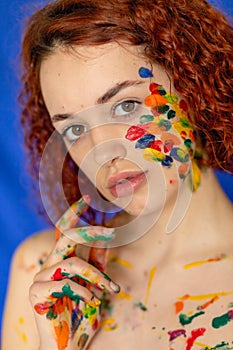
{"x":156,"y":133}
{"x":62,"y":335}
{"x":194,"y":335}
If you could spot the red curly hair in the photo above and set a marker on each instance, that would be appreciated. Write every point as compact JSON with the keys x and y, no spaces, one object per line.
{"x":189,"y":38}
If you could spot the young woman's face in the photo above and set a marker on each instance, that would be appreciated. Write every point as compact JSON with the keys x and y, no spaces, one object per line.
{"x":132,"y":149}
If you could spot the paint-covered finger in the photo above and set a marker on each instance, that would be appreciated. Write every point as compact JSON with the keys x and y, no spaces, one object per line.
{"x":98,"y":257}
{"x":66,"y":244}
{"x":71,"y":217}
{"x":91,"y":235}
{"x":43,"y":295}
{"x":79,"y":270}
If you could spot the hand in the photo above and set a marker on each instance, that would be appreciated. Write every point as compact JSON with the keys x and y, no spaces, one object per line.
{"x":66,"y":293}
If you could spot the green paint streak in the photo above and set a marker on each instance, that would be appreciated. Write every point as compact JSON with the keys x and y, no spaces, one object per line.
{"x":141,"y":306}
{"x":50,"y":314}
{"x":184,"y":319}
{"x":84,"y":234}
{"x":89,"y":311}
{"x":221,"y":321}
{"x":67,"y":291}
{"x":222,"y":346}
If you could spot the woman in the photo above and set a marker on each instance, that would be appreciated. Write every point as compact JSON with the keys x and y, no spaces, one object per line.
{"x":128,"y":92}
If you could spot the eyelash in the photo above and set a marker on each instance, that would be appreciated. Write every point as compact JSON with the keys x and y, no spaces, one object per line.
{"x":127,"y":115}
{"x":64,"y":132}
{"x":123,"y":117}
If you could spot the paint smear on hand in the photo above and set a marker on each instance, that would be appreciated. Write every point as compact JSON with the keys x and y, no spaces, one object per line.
{"x":194,"y":335}
{"x":62,"y":335}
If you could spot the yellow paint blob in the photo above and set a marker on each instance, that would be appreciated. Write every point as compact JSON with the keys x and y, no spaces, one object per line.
{"x":151,"y":276}
{"x":124,"y":295}
{"x":119,"y":261}
{"x":205,"y":296}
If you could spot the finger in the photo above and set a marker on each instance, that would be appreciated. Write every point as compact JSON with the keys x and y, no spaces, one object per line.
{"x":68,"y":241}
{"x":71,"y":217}
{"x":42,"y":298}
{"x":77,"y":268}
{"x":98,"y":257}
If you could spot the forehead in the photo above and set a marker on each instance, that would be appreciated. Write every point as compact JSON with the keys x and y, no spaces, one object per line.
{"x":74,"y":79}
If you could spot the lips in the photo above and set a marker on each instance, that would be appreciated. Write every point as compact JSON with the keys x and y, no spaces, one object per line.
{"x":125,"y":183}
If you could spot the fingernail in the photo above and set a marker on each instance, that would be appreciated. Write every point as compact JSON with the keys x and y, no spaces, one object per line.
{"x":115,"y":287}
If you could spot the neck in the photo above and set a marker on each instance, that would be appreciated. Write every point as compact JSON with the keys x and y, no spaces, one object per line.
{"x":204,"y":231}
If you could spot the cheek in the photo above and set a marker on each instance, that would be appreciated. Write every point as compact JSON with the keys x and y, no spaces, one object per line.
{"x":165,"y":135}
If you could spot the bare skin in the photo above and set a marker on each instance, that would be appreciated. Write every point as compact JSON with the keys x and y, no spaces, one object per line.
{"x":155,"y":272}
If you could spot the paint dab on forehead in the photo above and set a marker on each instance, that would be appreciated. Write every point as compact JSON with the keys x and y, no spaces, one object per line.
{"x":145,"y":72}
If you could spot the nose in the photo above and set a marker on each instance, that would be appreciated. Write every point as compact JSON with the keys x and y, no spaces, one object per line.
{"x":108,"y":151}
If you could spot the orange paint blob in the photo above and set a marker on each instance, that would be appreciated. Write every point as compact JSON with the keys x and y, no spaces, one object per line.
{"x":62,"y":334}
{"x":155,"y":100}
{"x":179,"y":305}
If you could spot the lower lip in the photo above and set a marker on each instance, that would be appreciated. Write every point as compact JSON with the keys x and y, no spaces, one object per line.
{"x":128,"y":188}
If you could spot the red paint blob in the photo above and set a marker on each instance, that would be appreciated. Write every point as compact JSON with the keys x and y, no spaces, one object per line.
{"x":194,"y":335}
{"x":134,"y":133}
{"x":42,"y":308}
{"x":57,"y":276}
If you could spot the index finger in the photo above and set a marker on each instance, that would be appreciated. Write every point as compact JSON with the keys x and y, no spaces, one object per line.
{"x":71,"y":217}
{"x":68,"y":241}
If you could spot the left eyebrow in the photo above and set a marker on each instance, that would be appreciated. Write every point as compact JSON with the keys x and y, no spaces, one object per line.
{"x":104,"y":98}
{"x":116,"y":89}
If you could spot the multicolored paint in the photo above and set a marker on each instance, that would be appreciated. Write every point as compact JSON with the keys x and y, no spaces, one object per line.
{"x":166,"y":135}
{"x":64,"y":310}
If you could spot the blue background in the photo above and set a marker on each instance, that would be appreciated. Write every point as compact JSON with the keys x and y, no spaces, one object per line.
{"x":18,"y":216}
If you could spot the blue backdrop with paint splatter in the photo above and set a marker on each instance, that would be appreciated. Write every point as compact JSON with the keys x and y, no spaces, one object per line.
{"x":18,"y":217}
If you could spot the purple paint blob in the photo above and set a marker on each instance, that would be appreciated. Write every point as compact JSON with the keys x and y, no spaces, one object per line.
{"x":175,"y":334}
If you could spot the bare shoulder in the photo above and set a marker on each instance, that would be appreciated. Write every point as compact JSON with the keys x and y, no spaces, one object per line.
{"x":18,"y":316}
